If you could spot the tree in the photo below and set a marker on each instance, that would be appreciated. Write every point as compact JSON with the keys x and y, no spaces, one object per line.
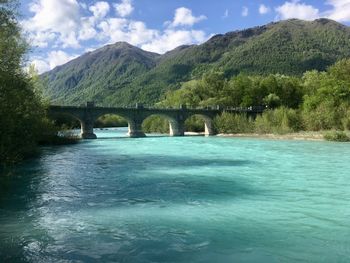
{"x":21,"y":111}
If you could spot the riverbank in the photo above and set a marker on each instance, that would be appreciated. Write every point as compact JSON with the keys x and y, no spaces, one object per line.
{"x":301,"y":136}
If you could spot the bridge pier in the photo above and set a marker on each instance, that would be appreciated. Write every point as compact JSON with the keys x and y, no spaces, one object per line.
{"x":135,"y":129}
{"x":177,"y":128}
{"x":208,"y":127}
{"x":87,"y":130}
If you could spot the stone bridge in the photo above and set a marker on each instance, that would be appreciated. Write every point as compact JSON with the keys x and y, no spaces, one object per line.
{"x":87,"y":115}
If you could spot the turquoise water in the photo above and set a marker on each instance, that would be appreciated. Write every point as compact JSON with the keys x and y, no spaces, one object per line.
{"x":190,"y":199}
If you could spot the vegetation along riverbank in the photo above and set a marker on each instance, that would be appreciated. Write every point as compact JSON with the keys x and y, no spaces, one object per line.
{"x":313,"y":101}
{"x":23,"y":120}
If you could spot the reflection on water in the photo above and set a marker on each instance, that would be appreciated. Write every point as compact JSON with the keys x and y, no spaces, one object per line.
{"x":190,"y":199}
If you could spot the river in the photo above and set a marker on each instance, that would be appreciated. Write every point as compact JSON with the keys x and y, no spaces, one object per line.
{"x":184,"y":199}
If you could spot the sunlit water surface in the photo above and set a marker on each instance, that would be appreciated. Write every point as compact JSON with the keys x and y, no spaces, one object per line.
{"x":190,"y":199}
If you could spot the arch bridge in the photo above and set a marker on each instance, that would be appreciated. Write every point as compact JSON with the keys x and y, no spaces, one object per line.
{"x":89,"y":113}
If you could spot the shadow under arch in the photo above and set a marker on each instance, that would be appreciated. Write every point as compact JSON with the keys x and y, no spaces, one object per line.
{"x":133,"y":130}
{"x":162,"y":123}
{"x":208,"y":123}
{"x":69,"y":119}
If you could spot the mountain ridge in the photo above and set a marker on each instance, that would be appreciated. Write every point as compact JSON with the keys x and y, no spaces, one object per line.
{"x":121,"y":74}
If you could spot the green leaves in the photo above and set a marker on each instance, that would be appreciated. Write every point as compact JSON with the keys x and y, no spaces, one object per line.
{"x":22,"y":115}
{"x":123,"y":75}
{"x":242,"y":90}
{"x":327,"y":100}
{"x":316,"y":101}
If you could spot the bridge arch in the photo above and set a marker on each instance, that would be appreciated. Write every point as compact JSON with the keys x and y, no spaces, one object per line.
{"x":208,"y":122}
{"x":175,"y":126}
{"x":56,"y":116}
{"x":110,"y":120}
{"x":134,"y":129}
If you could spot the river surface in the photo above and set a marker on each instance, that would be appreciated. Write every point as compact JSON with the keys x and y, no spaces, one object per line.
{"x":189,"y":199}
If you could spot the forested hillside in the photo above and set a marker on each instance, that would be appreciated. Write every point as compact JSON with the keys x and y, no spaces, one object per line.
{"x":121,"y":74}
{"x":316,"y":101}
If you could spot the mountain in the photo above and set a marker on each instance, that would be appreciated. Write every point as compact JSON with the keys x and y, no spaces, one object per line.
{"x":121,"y":74}
{"x":99,"y":74}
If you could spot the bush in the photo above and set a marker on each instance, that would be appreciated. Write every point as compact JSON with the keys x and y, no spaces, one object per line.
{"x":281,"y":121}
{"x":110,"y":120}
{"x":337,"y":136}
{"x":321,"y":117}
{"x":56,"y":135}
{"x":272,"y":100}
{"x":194,"y":124}
{"x":155,"y":124}
{"x":233,"y":123}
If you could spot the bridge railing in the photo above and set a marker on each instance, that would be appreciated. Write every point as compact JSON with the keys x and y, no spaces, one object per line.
{"x":259,"y":108}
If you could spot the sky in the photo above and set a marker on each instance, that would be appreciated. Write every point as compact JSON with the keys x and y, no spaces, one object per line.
{"x":60,"y":30}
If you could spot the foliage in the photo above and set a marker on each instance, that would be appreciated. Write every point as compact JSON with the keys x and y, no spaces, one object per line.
{"x":52,"y":134}
{"x":194,"y":124}
{"x":234,"y":123}
{"x":22,"y":113}
{"x":214,"y":89}
{"x":258,"y":66}
{"x":315,"y":101}
{"x":272,"y":101}
{"x":110,"y":120}
{"x":337,"y":136}
{"x":155,"y":124}
{"x":281,"y":121}
{"x":327,"y":100}
{"x":158,"y":124}
{"x":121,"y":74}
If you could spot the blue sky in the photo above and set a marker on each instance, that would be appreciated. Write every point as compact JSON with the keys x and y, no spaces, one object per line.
{"x":60,"y":30}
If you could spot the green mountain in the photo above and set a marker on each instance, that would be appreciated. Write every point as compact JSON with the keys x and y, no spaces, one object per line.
{"x":99,"y":74}
{"x":121,"y":74}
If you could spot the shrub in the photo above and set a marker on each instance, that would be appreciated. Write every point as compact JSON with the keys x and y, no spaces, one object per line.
{"x":281,"y":120}
{"x":110,"y":120}
{"x":155,"y":124}
{"x":337,"y":136}
{"x":194,"y":124}
{"x":233,"y":123}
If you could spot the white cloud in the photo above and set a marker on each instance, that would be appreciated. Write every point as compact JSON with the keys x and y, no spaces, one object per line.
{"x":52,"y":60}
{"x":59,"y":17}
{"x":88,"y":25}
{"x":87,"y":30}
{"x":137,"y":33}
{"x":296,"y":9}
{"x":58,"y":25}
{"x":121,"y":29}
{"x":100,"y":9}
{"x":263,"y":9}
{"x":40,"y":65}
{"x":70,"y":40}
{"x":340,"y":11}
{"x":41,"y":39}
{"x":58,"y":57}
{"x":114,"y":29}
{"x":245,"y":11}
{"x":184,"y":17}
{"x":124,"y":8}
{"x":171,"y":39}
